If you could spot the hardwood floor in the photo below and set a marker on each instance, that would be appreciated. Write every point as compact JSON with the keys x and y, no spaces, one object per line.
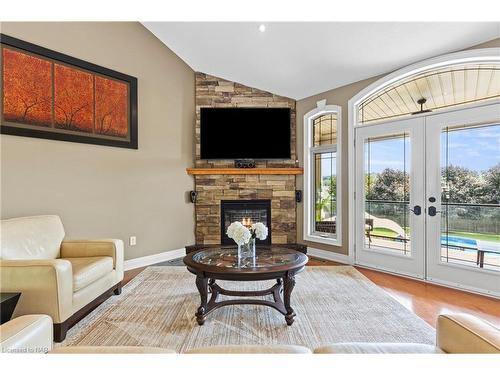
{"x":425,"y":300}
{"x":428,"y":300}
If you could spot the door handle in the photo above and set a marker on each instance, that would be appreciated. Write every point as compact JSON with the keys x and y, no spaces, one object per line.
{"x":417,"y":210}
{"x":433,"y":211}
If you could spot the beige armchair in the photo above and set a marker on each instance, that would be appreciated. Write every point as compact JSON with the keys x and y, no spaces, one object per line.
{"x":455,"y":334}
{"x":64,"y":279}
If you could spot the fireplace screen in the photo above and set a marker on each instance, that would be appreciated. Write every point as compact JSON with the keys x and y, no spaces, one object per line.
{"x":247,"y":212}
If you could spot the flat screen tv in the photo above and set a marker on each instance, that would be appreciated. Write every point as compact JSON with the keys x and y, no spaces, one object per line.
{"x":245,"y":133}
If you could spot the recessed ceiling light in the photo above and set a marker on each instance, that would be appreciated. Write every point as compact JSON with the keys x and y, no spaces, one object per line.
{"x":262,"y":28}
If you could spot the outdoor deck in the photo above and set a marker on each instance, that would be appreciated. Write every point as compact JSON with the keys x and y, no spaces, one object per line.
{"x":448,"y":254}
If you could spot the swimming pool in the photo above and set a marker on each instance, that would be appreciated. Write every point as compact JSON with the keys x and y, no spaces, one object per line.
{"x":466,"y":244}
{"x":456,"y":241}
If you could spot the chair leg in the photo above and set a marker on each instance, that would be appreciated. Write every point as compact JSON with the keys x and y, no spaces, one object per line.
{"x":118,"y":290}
{"x":60,"y":330}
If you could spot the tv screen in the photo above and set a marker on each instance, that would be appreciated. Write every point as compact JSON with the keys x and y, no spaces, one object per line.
{"x":245,"y":133}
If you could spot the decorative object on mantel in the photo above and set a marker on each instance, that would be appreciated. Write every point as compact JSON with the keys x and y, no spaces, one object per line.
{"x":215,"y":171}
{"x":244,"y":235}
{"x":46,"y":94}
{"x":244,"y":164}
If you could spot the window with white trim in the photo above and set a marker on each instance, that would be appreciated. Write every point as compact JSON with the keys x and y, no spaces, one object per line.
{"x":322,"y":179}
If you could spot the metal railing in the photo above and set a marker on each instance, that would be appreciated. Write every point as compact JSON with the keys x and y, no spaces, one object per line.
{"x":481,"y":218}
{"x":475,"y":218}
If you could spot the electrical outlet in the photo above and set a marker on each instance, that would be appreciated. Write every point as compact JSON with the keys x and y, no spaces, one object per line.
{"x":133,"y":240}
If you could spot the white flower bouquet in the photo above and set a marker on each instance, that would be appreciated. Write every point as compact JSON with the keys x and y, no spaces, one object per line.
{"x":239,"y":233}
{"x":245,"y":237}
{"x":259,"y":230}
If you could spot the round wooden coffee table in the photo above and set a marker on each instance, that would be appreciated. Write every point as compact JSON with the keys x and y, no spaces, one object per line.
{"x":221,"y":263}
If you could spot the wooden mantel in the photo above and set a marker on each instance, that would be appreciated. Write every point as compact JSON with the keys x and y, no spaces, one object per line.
{"x":215,"y":171}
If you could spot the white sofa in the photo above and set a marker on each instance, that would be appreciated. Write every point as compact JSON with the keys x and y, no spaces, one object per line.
{"x":62,"y":278}
{"x":27,"y":334}
{"x":456,"y":333}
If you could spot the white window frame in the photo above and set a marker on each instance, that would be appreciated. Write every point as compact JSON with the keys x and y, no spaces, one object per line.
{"x":310,"y":150}
{"x":486,"y":55}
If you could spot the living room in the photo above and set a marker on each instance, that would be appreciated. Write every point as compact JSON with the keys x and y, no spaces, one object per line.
{"x":250,"y":187}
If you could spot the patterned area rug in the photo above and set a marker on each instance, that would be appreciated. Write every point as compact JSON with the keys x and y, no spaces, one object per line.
{"x":333,"y":304}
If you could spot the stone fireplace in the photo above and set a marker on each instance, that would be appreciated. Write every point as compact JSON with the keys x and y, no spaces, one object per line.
{"x":215,"y":183}
{"x":247,"y":212}
{"x":277,"y":190}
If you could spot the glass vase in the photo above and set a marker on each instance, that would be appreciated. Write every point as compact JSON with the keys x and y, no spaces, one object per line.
{"x":247,"y":250}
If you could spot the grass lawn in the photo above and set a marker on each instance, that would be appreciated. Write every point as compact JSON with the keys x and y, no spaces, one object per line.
{"x":474,"y":236}
{"x":383,"y":232}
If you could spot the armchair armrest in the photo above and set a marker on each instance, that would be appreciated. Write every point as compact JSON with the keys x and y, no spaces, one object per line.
{"x":463,"y":333}
{"x":95,"y":248}
{"x":46,"y":286}
{"x":27,"y":334}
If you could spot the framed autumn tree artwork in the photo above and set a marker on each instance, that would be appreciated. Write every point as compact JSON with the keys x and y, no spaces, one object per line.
{"x":46,"y":94}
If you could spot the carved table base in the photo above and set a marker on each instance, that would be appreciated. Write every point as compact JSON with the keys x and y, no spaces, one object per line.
{"x":283,"y":286}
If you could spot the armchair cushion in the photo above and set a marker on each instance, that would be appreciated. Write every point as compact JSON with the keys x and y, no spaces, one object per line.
{"x":377,"y":348}
{"x":251,"y":349}
{"x":110,"y":350}
{"x":88,"y":270}
{"x":32,"y":237}
{"x":463,"y":333}
{"x":27,"y":334}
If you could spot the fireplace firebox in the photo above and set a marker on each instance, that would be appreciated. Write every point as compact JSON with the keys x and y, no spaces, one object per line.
{"x":246,"y":212}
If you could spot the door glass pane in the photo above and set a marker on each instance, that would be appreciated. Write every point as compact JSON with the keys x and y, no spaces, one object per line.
{"x":470,"y":185}
{"x":387,"y":193}
{"x":325,"y":187}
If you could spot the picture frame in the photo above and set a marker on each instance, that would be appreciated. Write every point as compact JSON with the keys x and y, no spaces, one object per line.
{"x":47,"y":94}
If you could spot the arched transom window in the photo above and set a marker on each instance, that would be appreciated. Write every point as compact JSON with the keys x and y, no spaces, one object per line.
{"x":432,"y":90}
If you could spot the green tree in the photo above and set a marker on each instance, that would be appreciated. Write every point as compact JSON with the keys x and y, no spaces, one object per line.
{"x":326,"y":196}
{"x":331,"y":183}
{"x":490,"y":191}
{"x":461,"y":185}
{"x":389,"y":185}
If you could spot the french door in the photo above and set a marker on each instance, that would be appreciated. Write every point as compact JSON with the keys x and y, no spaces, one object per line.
{"x":427,"y":197}
{"x":390,"y":228}
{"x":463,"y":192}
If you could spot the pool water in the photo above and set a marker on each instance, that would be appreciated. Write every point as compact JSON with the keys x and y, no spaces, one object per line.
{"x":468,"y":245}
{"x":459,"y":242}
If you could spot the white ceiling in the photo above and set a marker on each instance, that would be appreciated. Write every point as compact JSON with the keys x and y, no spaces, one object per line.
{"x":299,"y":59}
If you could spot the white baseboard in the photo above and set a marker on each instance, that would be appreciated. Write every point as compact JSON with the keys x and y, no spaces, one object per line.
{"x":153,"y":259}
{"x":329,"y":255}
{"x":461,"y":287}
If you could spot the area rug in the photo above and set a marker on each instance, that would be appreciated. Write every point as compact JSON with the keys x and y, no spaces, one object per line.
{"x":333,"y":304}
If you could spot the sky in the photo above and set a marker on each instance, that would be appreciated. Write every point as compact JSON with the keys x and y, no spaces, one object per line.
{"x":476,"y":148}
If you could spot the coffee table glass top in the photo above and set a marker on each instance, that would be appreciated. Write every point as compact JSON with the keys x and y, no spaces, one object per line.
{"x":265,"y":258}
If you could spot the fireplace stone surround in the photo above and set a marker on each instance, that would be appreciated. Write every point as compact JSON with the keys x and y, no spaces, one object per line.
{"x":212,"y":189}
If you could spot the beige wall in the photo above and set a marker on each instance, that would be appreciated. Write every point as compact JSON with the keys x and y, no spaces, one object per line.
{"x":106,"y":191}
{"x":339,"y":96}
